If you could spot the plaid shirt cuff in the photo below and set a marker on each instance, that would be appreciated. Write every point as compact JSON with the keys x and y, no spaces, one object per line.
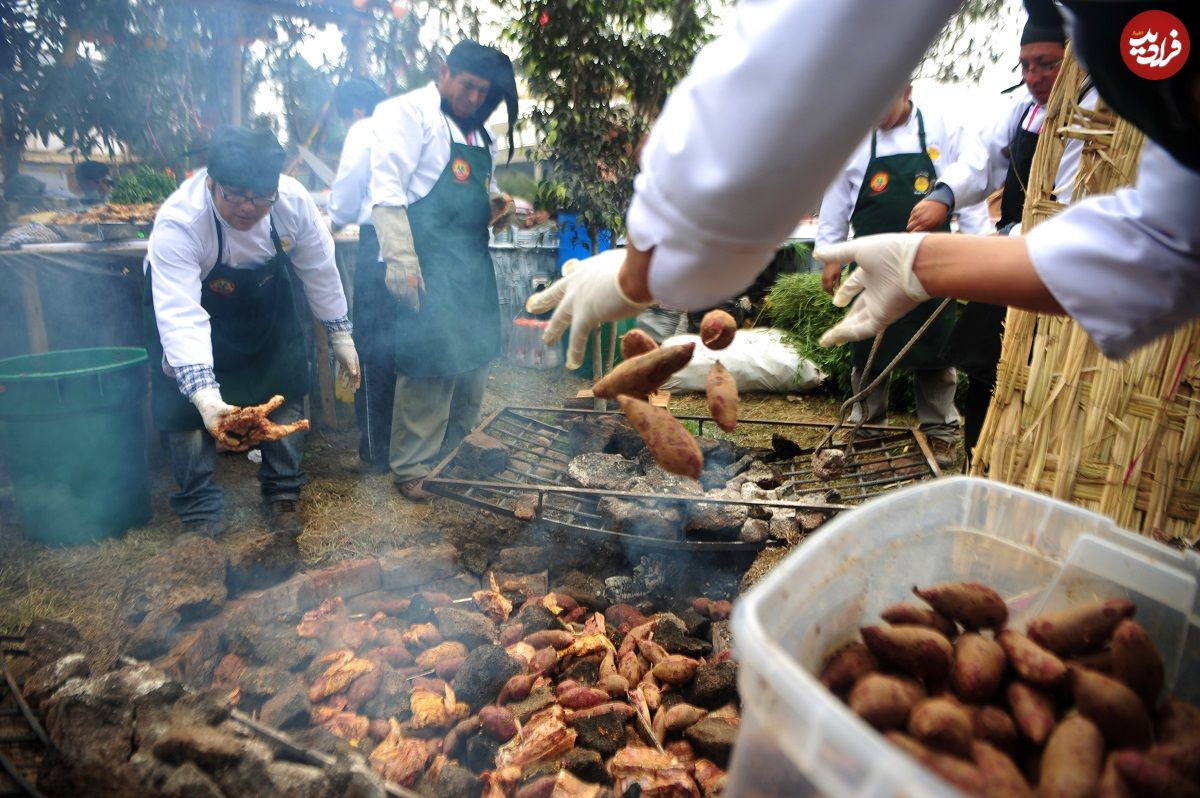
{"x":338,"y":325}
{"x":193,"y":378}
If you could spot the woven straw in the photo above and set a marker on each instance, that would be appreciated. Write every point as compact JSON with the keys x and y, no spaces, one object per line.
{"x":1120,"y":438}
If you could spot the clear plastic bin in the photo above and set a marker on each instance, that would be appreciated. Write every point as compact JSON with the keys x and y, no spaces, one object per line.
{"x":796,"y":738}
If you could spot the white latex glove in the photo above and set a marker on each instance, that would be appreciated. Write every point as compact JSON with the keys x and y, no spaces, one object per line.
{"x":214,"y":410}
{"x":347,"y":358}
{"x":885,"y":279}
{"x":586,"y":296}
{"x":402,"y":276}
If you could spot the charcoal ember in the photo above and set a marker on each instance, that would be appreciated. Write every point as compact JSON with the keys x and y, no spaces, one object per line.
{"x":602,"y":471}
{"x":260,"y":682}
{"x":585,"y":671}
{"x":635,"y":518}
{"x":538,"y":699}
{"x":785,"y":525}
{"x":288,"y":708}
{"x":755,"y":530}
{"x":470,"y":627}
{"x":188,"y":578}
{"x":716,"y":517}
{"x":714,"y":685}
{"x":828,"y":464}
{"x":604,"y":734}
{"x":621,"y":589}
{"x":482,"y":674}
{"x":535,"y":618}
{"x":481,"y":753}
{"x":455,"y":781}
{"x":671,"y":633}
{"x":392,"y":699}
{"x":651,"y":574}
{"x":713,"y":738}
{"x":784,"y":448}
{"x":481,"y":455}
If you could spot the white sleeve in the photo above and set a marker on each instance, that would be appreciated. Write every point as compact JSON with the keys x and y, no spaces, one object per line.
{"x":751,"y":137}
{"x":833,"y":223}
{"x":1126,"y":266}
{"x":313,"y":261}
{"x":395,"y":150}
{"x":183,"y":325}
{"x":348,"y":193}
{"x":982,"y":161}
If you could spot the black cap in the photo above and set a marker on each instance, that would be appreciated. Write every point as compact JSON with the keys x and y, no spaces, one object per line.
{"x":245,"y":159}
{"x":357,"y":93}
{"x":496,"y":67}
{"x":1044,"y":25}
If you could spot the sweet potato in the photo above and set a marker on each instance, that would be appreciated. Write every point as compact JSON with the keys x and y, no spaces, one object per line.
{"x":557,"y":638}
{"x":517,"y":688}
{"x":885,"y":701}
{"x":1033,"y":711}
{"x":717,"y":329}
{"x":963,"y":775}
{"x":1072,"y":760}
{"x":1182,"y":757}
{"x":672,"y":446}
{"x":499,"y":722}
{"x":912,"y":614}
{"x":1111,"y":784}
{"x":1001,"y":775}
{"x":979,"y":667}
{"x":636,"y":342}
{"x":644,"y":374}
{"x":994,"y":726}
{"x":846,"y":666}
{"x":1079,"y":628}
{"x":973,"y":604}
{"x":675,"y":669}
{"x":941,"y":724}
{"x":916,"y":650}
{"x":1032,"y":663}
{"x":1093,"y":660}
{"x":1136,"y":661}
{"x":681,"y":716}
{"x":614,"y":684}
{"x":1178,"y":722}
{"x":1113,"y":707}
{"x":1145,"y":776}
{"x":722,"y":394}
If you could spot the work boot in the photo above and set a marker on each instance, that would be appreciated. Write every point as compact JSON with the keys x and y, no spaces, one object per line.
{"x":204,"y":527}
{"x":945,"y":452}
{"x":414,"y":491}
{"x":283,"y":516}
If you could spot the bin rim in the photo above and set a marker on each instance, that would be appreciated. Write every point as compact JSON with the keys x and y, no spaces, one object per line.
{"x":133,"y":356}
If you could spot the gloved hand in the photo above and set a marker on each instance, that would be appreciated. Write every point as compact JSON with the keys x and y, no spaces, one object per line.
{"x":403,"y":275}
{"x":885,"y":279}
{"x":214,"y":410}
{"x":586,"y":296}
{"x":347,"y":358}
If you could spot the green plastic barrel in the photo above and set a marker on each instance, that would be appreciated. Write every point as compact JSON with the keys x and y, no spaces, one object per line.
{"x":71,"y":431}
{"x":623,"y":326}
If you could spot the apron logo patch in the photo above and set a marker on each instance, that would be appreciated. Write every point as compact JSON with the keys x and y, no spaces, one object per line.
{"x":221,"y":286}
{"x":879,"y":182}
{"x":933,"y":151}
{"x":286,"y":244}
{"x":921,"y":184}
{"x":460,"y":169}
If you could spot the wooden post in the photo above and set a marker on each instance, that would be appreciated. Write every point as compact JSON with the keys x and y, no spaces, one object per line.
{"x":597,"y":369}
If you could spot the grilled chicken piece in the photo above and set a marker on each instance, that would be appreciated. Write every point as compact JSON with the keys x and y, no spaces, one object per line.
{"x":656,"y":774}
{"x":246,"y":427}
{"x":315,"y":623}
{"x":430,"y":709}
{"x":397,"y":758}
{"x":339,"y":675}
{"x":492,"y":602}
{"x":542,"y":738}
{"x":349,"y":726}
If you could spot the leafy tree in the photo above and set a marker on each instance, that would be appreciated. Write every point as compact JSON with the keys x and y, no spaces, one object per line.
{"x":971,"y":40}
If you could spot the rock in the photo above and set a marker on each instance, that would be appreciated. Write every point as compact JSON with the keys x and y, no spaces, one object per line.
{"x":188,"y":781}
{"x":49,"y":641}
{"x":392,"y":698}
{"x":188,"y":578}
{"x":288,"y":708}
{"x":482,"y":674}
{"x":755,"y":530}
{"x":149,"y":774}
{"x":586,"y":589}
{"x":260,"y":559}
{"x":785,"y":525}
{"x":285,"y":651}
{"x":586,"y":671}
{"x":587,"y":764}
{"x":604,"y":734}
{"x":417,"y":566}
{"x":248,"y":775}
{"x":522,"y":559}
{"x":92,"y":732}
{"x":261,"y":682}
{"x":718,"y":518}
{"x":671,"y":634}
{"x":535,"y":618}
{"x":713,"y":738}
{"x":694,"y":623}
{"x":634,"y":518}
{"x":602,"y":471}
{"x":608,"y":434}
{"x":811,"y":519}
{"x":481,"y":753}
{"x":297,"y":781}
{"x":717,"y":453}
{"x":457,"y":782}
{"x":481,"y":455}
{"x":47,"y":680}
{"x":828,"y":464}
{"x":714,"y":685}
{"x":351,"y":778}
{"x":657,"y":480}
{"x":537,"y":700}
{"x":208,"y":747}
{"x":152,"y":637}
{"x":210,"y":706}
{"x":470,"y":627}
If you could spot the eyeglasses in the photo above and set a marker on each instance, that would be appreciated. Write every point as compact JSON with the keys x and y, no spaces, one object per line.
{"x":1040,"y":67}
{"x":245,"y":197}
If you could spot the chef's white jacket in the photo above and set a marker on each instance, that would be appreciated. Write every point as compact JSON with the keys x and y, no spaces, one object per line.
{"x":943,"y":140}
{"x":411,"y":146}
{"x":183,"y":250}
{"x":350,"y":196}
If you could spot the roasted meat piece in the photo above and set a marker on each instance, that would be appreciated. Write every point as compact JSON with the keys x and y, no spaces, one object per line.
{"x":338,"y":676}
{"x":397,"y":758}
{"x":492,"y":602}
{"x":541,"y":739}
{"x":430,"y":709}
{"x":656,"y":774}
{"x":246,"y":427}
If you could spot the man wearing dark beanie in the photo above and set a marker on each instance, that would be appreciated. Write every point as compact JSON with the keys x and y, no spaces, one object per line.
{"x":432,"y":164}
{"x":223,"y":330}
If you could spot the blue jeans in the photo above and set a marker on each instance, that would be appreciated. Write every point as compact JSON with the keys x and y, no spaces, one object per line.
{"x":193,"y":459}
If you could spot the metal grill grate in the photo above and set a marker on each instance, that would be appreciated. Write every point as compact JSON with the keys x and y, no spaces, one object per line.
{"x":535,"y":484}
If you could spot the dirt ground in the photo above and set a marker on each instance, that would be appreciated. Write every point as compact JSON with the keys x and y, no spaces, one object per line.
{"x":348,"y":513}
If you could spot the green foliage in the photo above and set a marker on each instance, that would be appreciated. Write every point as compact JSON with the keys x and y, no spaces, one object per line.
{"x":799,"y":306}
{"x":601,"y":70}
{"x":973,"y":38}
{"x":143,"y":185}
{"x":517,"y":184}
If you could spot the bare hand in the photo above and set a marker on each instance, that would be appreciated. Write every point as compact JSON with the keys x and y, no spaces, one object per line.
{"x":927,"y":215}
{"x":831,"y":277}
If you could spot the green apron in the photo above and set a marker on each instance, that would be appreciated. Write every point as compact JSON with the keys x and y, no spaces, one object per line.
{"x":458,"y":326}
{"x":892,"y":185}
{"x":257,"y":342}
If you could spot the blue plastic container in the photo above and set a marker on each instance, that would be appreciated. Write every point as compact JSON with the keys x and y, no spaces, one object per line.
{"x":574,"y":241}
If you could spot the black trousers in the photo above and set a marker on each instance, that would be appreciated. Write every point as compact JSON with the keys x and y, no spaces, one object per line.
{"x":374,"y":337}
{"x":979,"y":396}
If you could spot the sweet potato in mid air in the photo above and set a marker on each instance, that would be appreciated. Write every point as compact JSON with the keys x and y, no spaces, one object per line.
{"x":644,"y":374}
{"x":636,"y":342}
{"x":672,"y":446}
{"x":717,"y":329}
{"x":722,"y":394}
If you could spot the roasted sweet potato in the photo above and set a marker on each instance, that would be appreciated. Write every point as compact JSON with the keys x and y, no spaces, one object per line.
{"x":722,"y":394}
{"x":903,"y":612}
{"x":1072,"y":760}
{"x":1136,"y":661}
{"x":916,"y":650}
{"x":672,"y":446}
{"x":1004,"y":779}
{"x":1032,"y":663}
{"x":941,"y":724}
{"x":885,"y":701}
{"x":961,"y":774}
{"x":498,"y":722}
{"x":973,"y":604}
{"x":644,"y":374}
{"x":994,"y":726}
{"x":1145,"y":776}
{"x":847,"y":665}
{"x":979,"y":666}
{"x":1113,"y":707}
{"x":1033,"y":711}
{"x":1081,"y":628}
{"x":717,"y":329}
{"x":636,"y":342}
